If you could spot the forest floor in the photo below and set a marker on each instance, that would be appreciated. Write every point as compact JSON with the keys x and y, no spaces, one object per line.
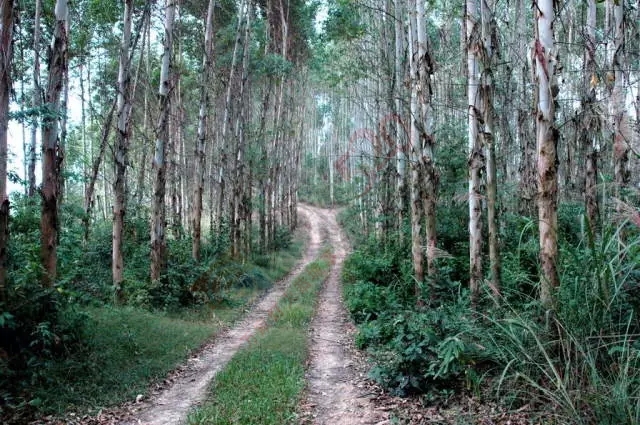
{"x":337,"y":391}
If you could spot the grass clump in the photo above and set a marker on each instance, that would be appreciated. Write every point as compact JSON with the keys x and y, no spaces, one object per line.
{"x":262,"y":383}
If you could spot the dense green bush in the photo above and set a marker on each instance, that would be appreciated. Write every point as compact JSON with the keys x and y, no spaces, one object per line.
{"x":580,"y":358}
{"x":38,"y":327}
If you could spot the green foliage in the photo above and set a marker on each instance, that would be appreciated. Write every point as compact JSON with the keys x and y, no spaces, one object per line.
{"x":39,"y":328}
{"x":273,"y":65}
{"x":366,"y":301}
{"x":415,"y":350}
{"x":65,"y":348}
{"x":123,"y":349}
{"x":343,"y":21}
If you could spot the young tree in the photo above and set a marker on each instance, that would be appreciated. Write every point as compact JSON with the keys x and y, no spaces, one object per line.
{"x":590,"y":125}
{"x":36,"y":101}
{"x":7,"y":8}
{"x":51,"y":154}
{"x":158,"y":218}
{"x":545,"y":58}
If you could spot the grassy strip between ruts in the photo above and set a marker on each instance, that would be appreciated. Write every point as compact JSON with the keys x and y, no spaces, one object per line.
{"x":263,"y":381}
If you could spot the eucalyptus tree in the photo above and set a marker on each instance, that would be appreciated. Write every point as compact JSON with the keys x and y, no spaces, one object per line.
{"x":474,"y":47}
{"x":7,"y":10}
{"x":620,"y":124}
{"x":591,"y":124}
{"x":545,"y":58}
{"x":489,"y":49}
{"x":51,"y":154}
{"x":203,"y":129}
{"x":230,"y":129}
{"x":121,"y":149}
{"x":158,"y":217}
{"x":424,"y":176}
{"x":36,"y":100}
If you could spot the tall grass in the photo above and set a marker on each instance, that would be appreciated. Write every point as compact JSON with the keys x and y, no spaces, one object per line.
{"x":581,"y":361}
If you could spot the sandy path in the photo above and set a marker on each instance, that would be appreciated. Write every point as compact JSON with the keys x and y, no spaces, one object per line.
{"x":172,"y":405}
{"x":335,"y":394}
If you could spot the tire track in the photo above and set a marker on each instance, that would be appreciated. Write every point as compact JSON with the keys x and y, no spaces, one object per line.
{"x":333,"y":394}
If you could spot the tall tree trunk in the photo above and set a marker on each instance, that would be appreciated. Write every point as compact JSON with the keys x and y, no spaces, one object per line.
{"x":121,"y":152}
{"x":546,"y":63}
{"x":590,"y":125}
{"x":158,"y":218}
{"x":264,"y":173}
{"x":240,"y":200}
{"x":58,"y":66}
{"x":486,"y":105}
{"x":415,"y":188}
{"x":427,"y":141}
{"x":36,"y":101}
{"x":400,"y":130}
{"x":7,"y":8}
{"x":95,"y":169}
{"x":207,"y":68}
{"x":62,"y":136}
{"x":476,"y":156}
{"x":140,"y":187}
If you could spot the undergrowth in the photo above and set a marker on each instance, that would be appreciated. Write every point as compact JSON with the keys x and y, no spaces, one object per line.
{"x":67,"y":347}
{"x":263,"y":381}
{"x":578,"y":363}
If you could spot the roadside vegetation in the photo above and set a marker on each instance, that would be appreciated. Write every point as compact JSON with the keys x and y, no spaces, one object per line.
{"x":70,"y":348}
{"x":263,"y":382}
{"x":578,"y":363}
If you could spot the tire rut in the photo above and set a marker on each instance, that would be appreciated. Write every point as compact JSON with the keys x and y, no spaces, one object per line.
{"x":335,"y":393}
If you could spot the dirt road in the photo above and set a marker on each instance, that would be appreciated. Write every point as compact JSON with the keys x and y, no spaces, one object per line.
{"x":172,"y":405}
{"x":335,"y":390}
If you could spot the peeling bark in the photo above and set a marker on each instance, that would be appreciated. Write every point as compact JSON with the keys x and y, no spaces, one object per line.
{"x":546,"y":61}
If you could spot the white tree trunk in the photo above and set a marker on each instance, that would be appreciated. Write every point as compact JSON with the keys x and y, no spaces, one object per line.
{"x":207,"y":67}
{"x":476,"y":157}
{"x":158,"y":218}
{"x":121,"y":151}
{"x":545,"y":60}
